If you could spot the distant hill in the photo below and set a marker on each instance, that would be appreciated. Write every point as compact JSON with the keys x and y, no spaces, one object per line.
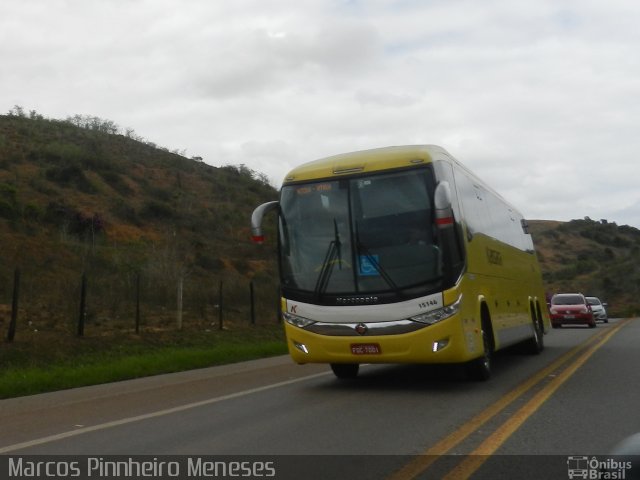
{"x":597,"y":258}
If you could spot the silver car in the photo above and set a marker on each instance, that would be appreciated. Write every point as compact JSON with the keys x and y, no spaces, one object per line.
{"x":597,"y":307}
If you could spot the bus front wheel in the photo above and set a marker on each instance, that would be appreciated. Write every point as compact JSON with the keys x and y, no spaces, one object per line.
{"x":480,"y":368}
{"x":345,"y":370}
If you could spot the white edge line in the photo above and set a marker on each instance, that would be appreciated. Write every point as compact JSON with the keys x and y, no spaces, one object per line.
{"x":159,"y":413}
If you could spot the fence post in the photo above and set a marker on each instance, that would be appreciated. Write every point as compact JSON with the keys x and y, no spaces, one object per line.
{"x":14,"y":306}
{"x":83,"y":304}
{"x":220,"y":324}
{"x":179,"y":306}
{"x":138,"y":303}
{"x":253,"y":303}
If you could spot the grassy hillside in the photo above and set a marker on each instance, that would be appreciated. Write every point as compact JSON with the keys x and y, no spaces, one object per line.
{"x":596,"y":258}
{"x":84,"y":198}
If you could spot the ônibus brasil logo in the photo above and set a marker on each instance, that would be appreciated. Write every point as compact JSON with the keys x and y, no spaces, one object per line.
{"x":592,"y":468}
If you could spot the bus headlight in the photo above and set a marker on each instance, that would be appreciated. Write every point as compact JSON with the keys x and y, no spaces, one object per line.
{"x":296,"y":320}
{"x":438,"y":315}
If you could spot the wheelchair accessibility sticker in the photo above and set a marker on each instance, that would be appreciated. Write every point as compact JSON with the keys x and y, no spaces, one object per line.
{"x":368,"y":265}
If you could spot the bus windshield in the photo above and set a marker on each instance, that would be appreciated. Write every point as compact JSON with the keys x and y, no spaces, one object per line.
{"x":359,"y":235}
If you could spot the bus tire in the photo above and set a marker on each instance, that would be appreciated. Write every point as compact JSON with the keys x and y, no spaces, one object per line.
{"x":345,"y":370}
{"x":480,"y":369}
{"x":535,"y":344}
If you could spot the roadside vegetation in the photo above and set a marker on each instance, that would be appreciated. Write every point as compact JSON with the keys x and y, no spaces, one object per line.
{"x":149,"y":249}
{"x":48,"y":362}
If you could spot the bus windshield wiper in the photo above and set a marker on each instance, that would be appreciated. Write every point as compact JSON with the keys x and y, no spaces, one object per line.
{"x":333,"y":251}
{"x":361,"y":247}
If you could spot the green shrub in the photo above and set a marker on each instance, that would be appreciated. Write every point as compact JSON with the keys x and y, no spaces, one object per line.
{"x":70,"y":176}
{"x":7,"y":210}
{"x":153,"y":210}
{"x":33,"y":212}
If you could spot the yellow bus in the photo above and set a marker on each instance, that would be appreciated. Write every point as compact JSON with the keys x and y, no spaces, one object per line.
{"x":402,"y":255}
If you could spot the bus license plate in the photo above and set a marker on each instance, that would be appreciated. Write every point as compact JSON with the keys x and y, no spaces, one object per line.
{"x":365,"y":349}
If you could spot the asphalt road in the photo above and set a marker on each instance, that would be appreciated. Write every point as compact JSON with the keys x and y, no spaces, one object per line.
{"x":536,"y":415}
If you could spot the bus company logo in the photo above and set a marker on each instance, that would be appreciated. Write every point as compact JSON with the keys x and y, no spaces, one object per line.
{"x":592,"y":468}
{"x":494,"y":256}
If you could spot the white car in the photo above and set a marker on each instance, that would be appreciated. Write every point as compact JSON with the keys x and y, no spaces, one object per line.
{"x":597,"y":307}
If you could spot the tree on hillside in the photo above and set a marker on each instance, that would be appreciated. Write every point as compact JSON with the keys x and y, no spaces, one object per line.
{"x":90,"y":122}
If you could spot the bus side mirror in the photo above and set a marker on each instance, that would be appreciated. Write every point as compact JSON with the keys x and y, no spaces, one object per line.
{"x":445,"y":223}
{"x":442,"y":201}
{"x":256,"y":220}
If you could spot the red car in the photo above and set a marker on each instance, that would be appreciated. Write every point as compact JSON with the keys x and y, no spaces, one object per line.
{"x":571,"y":308}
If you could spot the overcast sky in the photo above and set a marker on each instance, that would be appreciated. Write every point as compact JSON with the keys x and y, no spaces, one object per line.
{"x":540,"y":98}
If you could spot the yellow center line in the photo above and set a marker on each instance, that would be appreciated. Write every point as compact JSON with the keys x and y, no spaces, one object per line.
{"x":481,"y":454}
{"x":424,"y":460}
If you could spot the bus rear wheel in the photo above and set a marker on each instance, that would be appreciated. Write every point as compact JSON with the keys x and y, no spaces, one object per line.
{"x":480,"y":368}
{"x":345,"y":370}
{"x":535,"y":344}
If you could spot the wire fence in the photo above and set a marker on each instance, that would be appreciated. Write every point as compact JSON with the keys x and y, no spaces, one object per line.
{"x":91,"y":303}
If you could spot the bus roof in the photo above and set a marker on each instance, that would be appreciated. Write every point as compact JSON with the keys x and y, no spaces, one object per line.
{"x":365,"y":161}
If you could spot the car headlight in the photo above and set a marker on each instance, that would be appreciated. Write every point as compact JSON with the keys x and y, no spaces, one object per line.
{"x":296,"y":320}
{"x":438,"y":315}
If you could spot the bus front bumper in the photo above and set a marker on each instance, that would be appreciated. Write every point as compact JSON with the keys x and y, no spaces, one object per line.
{"x":446,"y":342}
